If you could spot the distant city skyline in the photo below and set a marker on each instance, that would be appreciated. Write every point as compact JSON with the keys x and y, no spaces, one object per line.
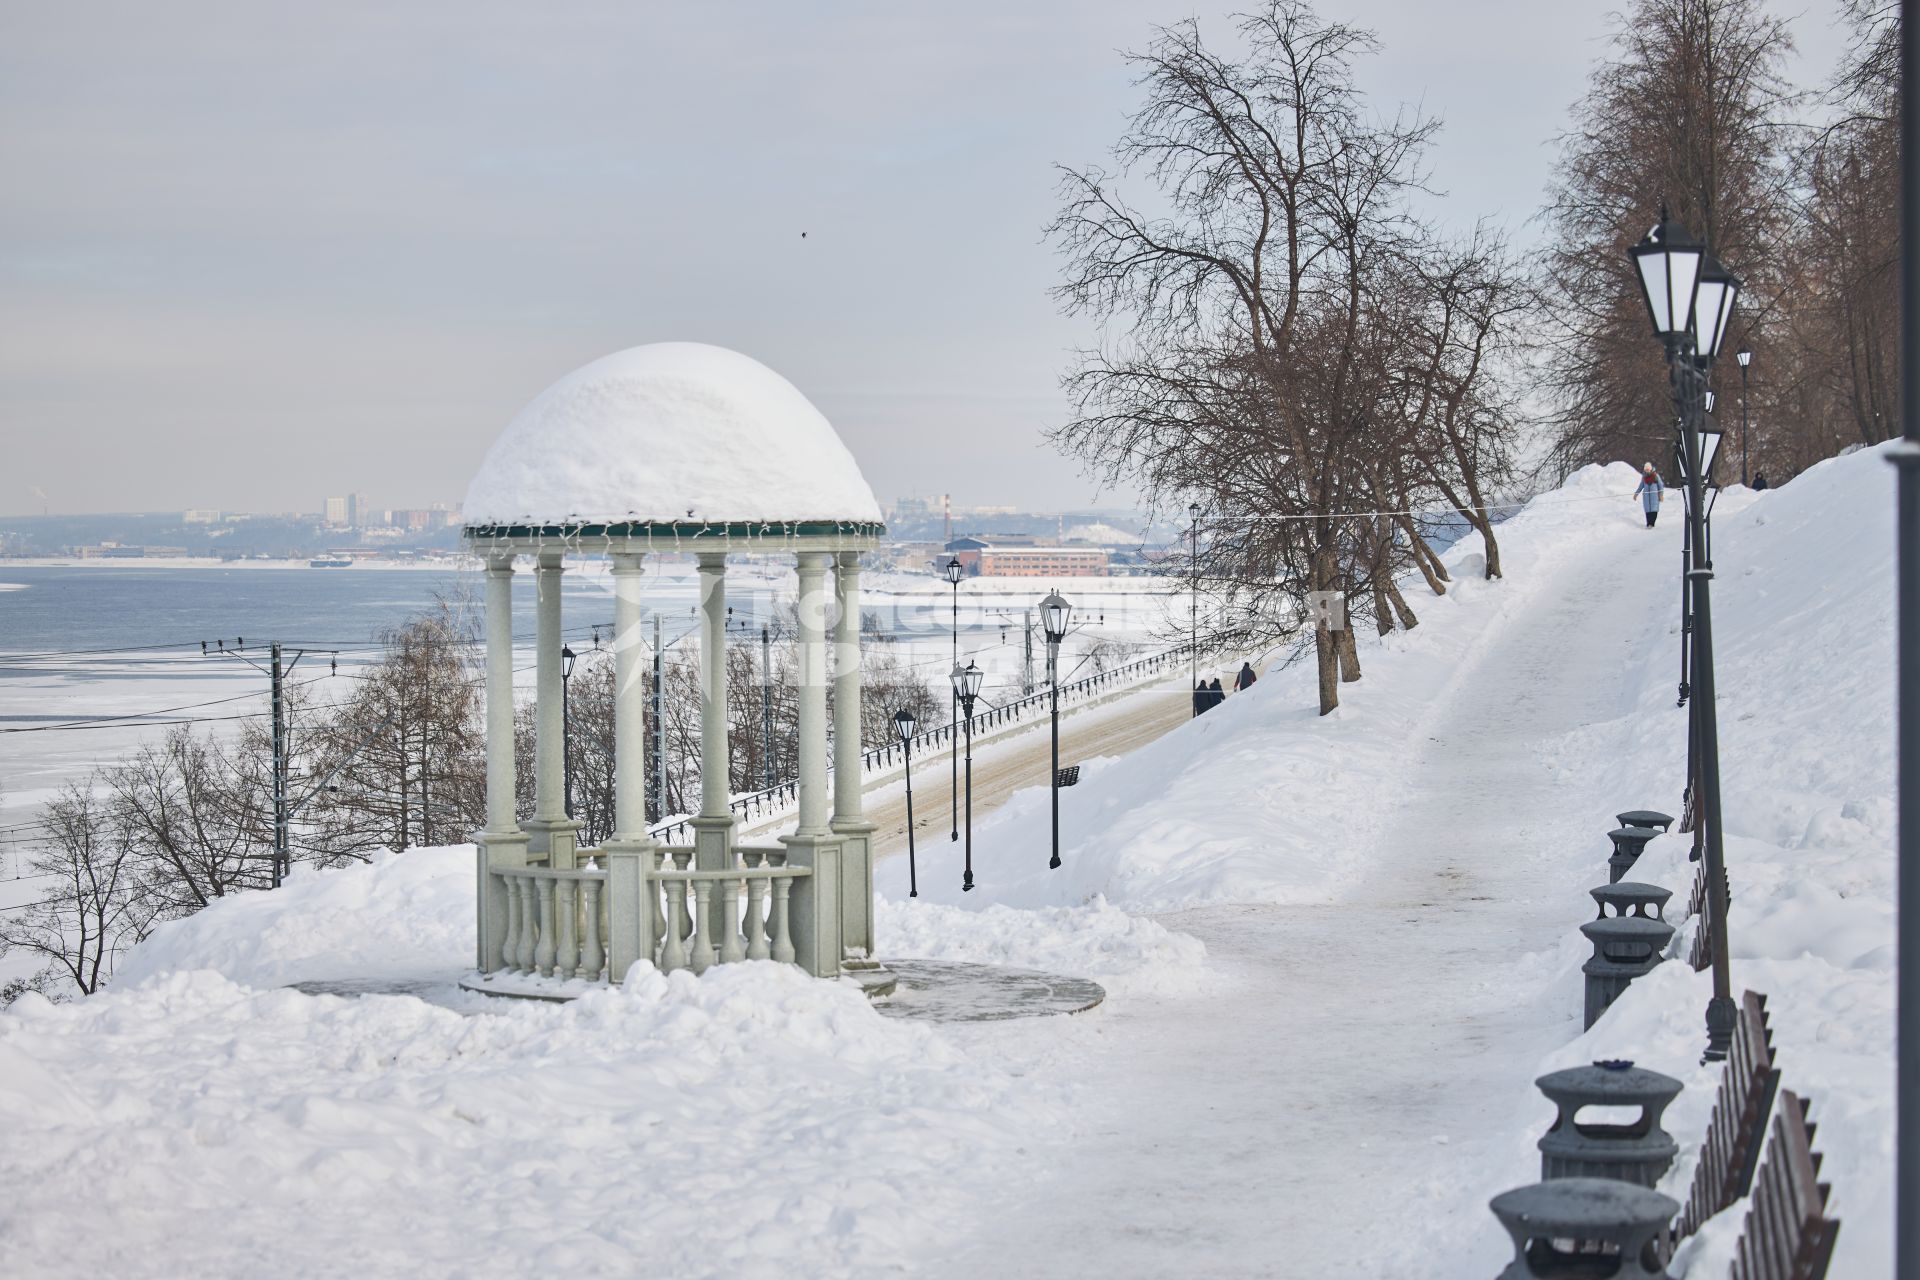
{"x":248,"y":252}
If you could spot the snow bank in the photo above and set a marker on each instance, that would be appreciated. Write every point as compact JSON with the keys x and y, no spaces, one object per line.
{"x":669,"y":431}
{"x":403,"y":916}
{"x":753,"y":1122}
{"x":1804,"y":633}
{"x":410,"y":916}
{"x":1262,"y":799}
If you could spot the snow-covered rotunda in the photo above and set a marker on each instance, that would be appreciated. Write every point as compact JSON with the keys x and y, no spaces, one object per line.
{"x":687,"y":448}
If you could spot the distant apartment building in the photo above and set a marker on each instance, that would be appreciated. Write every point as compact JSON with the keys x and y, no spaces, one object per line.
{"x":1042,"y":562}
{"x":200,"y":515}
{"x":1018,"y":556}
{"x":335,"y":515}
{"x":360,"y":514}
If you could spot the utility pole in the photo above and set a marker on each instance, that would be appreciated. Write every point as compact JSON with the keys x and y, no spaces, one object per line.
{"x":766,"y":709}
{"x":280,"y":853}
{"x":1906,"y":456}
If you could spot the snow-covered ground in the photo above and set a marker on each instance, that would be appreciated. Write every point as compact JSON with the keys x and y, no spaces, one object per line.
{"x":1388,"y":900}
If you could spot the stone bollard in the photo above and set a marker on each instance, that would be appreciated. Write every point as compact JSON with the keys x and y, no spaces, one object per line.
{"x":1628,"y":844}
{"x":1645,"y":818}
{"x":1586,"y":1227}
{"x":1638,"y":1151}
{"x":1624,"y":948}
{"x":1631,"y":898}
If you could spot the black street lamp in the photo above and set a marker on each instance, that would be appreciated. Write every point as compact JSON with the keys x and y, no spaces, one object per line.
{"x":1055,"y":613}
{"x":1745,"y":356}
{"x":955,"y":571}
{"x":567,"y":657}
{"x":1689,"y":298}
{"x":1193,"y":600}
{"x":966,"y":687}
{"x":903,"y":723}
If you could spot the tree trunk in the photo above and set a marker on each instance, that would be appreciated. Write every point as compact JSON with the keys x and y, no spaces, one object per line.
{"x":1349,"y":653}
{"x":1382,"y":616}
{"x":1323,"y":644}
{"x":1407,"y":619}
{"x":1423,"y":555}
{"x":1493,"y":548}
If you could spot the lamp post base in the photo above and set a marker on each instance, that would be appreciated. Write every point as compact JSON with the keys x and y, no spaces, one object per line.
{"x":1722,"y":1018}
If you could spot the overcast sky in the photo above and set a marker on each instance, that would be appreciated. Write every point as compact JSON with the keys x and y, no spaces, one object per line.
{"x":255,"y":253}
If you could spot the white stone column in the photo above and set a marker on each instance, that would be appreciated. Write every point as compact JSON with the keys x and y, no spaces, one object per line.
{"x":629,"y":700}
{"x":849,"y":819}
{"x":713,"y":825}
{"x":815,"y":603}
{"x":502,"y":843}
{"x":500,"y":765}
{"x":552,"y":832}
{"x":816,"y":898}
{"x":715,"y":769}
{"x":628,"y":853}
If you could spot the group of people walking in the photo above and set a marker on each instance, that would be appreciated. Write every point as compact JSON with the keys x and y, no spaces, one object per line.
{"x":1652,"y":489}
{"x":1208,"y":694}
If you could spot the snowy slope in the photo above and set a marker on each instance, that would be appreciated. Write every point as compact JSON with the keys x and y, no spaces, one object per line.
{"x":1804,"y":636}
{"x":1255,"y":801}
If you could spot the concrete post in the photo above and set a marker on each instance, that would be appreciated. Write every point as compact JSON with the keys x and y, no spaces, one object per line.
{"x":628,"y":854}
{"x":849,"y":820}
{"x":502,"y":843}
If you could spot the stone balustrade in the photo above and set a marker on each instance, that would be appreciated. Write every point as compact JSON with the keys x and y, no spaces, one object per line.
{"x":557,"y":922}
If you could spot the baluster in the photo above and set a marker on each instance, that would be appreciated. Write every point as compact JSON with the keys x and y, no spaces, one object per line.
{"x":685,"y":922}
{"x":756,"y":919}
{"x":730,"y":939}
{"x":702,"y":958}
{"x":543,"y":950}
{"x":782,"y":938}
{"x":510,"y":947}
{"x":567,"y":904}
{"x":673,"y":951}
{"x":592,"y":956}
{"x":529,"y":925}
{"x":654,"y":890}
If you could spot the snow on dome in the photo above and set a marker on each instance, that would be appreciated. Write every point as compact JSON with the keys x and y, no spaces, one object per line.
{"x":671,"y":431}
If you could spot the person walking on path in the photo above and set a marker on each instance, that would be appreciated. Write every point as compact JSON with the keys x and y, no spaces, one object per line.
{"x":1215,"y":694}
{"x":1200,"y":702}
{"x":1649,"y":493}
{"x":1759,"y":481}
{"x":1244,"y":681}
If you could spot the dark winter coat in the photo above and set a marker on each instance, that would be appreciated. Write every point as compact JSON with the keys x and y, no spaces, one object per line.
{"x":1245,"y":679}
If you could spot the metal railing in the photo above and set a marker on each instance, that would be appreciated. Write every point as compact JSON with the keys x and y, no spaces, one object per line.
{"x":784,"y":795}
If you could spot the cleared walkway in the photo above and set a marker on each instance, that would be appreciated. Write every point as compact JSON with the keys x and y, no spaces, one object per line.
{"x":1313,"y":1116}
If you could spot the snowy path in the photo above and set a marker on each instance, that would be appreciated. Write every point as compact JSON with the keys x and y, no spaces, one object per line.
{"x":1289,"y":1122}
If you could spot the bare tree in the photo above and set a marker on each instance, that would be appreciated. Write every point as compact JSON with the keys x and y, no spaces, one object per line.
{"x":1691,"y":110}
{"x":92,"y":906}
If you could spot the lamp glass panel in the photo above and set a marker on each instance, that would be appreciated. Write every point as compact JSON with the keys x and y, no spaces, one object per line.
{"x":1709,"y":450}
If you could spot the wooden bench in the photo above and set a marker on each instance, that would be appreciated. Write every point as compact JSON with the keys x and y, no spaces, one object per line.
{"x":1738,"y":1125}
{"x":1787,"y":1234}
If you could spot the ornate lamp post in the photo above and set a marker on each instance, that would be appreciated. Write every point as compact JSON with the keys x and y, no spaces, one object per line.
{"x":966,"y":687}
{"x":1055,"y":613}
{"x":903,"y":723}
{"x":1745,"y":356}
{"x":1193,"y":597}
{"x":1689,"y":299}
{"x":955,"y":571}
{"x":567,"y":657}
